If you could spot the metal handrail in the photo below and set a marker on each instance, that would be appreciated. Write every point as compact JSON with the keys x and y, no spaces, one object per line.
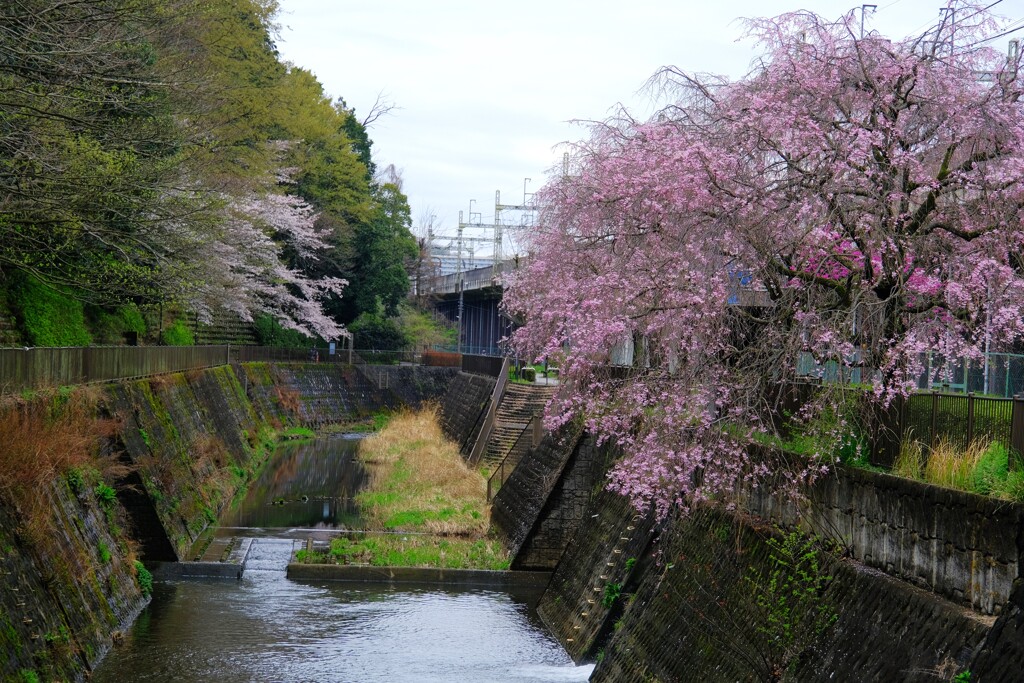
{"x":513,"y":451}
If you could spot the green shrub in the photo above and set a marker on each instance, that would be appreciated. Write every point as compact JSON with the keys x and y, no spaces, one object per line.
{"x":109,"y":327}
{"x":612,"y":591}
{"x":374,"y":331}
{"x":105,"y":494}
{"x":104,"y":552}
{"x":177,"y":334}
{"x":48,"y":317}
{"x":528,"y":374}
{"x":144,"y":578}
{"x":270,"y":333}
{"x":992,"y":469}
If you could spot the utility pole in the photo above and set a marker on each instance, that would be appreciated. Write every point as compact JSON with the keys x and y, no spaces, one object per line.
{"x":458,"y":272}
{"x":950,"y":14}
{"x":863,"y":9}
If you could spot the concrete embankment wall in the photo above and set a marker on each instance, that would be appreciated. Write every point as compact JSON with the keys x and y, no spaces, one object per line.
{"x":464,"y":407}
{"x":185,"y":444}
{"x":962,"y":546}
{"x":66,"y":586}
{"x":923,"y":581}
{"x":703,"y":612}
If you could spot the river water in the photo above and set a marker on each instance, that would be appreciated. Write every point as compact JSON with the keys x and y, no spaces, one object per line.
{"x":266,"y":627}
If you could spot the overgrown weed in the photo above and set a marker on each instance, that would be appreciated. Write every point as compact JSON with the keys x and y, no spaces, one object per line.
{"x":47,"y":439}
{"x":418,"y":480}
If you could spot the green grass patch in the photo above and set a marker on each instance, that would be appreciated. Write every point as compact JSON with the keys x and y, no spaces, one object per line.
{"x":298,"y":433}
{"x":397,"y":550}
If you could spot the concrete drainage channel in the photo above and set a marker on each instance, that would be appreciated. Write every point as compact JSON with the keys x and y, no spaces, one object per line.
{"x":228,"y":557}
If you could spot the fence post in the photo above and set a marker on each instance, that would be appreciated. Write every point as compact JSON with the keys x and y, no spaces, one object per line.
{"x":935,"y":418}
{"x":970,"y":418}
{"x":1017,"y":432}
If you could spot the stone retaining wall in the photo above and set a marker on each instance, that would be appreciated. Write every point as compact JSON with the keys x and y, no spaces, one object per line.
{"x":463,"y":408}
{"x":697,"y":617}
{"x":963,"y":546}
{"x":528,"y":509}
{"x":65,"y":593}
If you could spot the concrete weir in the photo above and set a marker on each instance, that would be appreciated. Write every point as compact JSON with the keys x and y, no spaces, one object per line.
{"x":224,"y":558}
{"x":417,"y":575}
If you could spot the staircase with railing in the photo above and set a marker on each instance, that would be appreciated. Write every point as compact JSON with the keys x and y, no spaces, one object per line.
{"x":519,"y":405}
{"x":528,"y":437}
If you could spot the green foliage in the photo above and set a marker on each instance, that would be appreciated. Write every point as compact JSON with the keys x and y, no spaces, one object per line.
{"x":374,"y":331}
{"x":982,"y":469}
{"x":144,"y":578}
{"x":145,"y":438}
{"x":991,"y":470}
{"x":612,"y":591}
{"x":422,"y":329}
{"x":963,"y":677}
{"x":104,"y":552}
{"x":270,"y":333}
{"x":75,"y":479}
{"x":61,"y":635}
{"x":48,"y":317}
{"x":789,"y":595}
{"x":395,"y":550}
{"x":298,"y":433}
{"x":105,"y":494}
{"x":28,"y":676}
{"x":177,"y":334}
{"x":109,"y":327}
{"x":381,"y":418}
{"x":630,"y":563}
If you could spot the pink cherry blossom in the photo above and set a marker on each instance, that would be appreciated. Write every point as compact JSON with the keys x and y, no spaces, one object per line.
{"x":857,"y":199}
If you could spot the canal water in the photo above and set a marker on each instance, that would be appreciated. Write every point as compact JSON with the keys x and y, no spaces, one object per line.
{"x":266,"y":627}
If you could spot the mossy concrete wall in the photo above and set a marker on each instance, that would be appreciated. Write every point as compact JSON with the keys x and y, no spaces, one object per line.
{"x":66,"y":587}
{"x":188,"y":443}
{"x":688,"y":610}
{"x":464,"y":406}
{"x":192,"y":440}
{"x":962,"y":546}
{"x":703,"y":613}
{"x":544,"y":502}
{"x":606,"y":556}
{"x":316,"y":394}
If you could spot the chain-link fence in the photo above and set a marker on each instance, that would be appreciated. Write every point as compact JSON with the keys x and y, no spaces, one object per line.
{"x":997,"y":374}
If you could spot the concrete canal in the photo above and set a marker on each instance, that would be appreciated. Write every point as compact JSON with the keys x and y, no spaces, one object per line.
{"x":270,"y":628}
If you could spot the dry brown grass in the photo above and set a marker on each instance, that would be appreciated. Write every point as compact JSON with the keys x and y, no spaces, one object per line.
{"x":418,"y":480}
{"x":288,"y":399}
{"x":44,"y":439}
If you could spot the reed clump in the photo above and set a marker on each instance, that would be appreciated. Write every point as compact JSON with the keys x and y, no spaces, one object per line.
{"x":983,"y":467}
{"x":419,"y":482}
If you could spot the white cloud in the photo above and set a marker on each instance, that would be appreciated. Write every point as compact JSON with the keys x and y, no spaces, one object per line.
{"x":486,"y":90}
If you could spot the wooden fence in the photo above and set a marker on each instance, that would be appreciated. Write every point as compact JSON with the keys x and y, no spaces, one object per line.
{"x":49,"y":367}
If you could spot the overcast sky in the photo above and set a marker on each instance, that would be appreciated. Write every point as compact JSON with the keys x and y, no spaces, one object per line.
{"x":485,"y":92}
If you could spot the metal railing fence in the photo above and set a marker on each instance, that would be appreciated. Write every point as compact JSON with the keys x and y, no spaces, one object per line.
{"x":960,"y":419}
{"x":994,"y":374}
{"x":528,"y":438}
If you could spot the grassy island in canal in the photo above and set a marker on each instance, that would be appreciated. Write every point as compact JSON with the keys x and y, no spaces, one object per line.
{"x":422,"y":507}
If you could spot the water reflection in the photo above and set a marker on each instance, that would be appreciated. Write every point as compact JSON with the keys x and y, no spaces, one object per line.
{"x":308,"y":485}
{"x":268,"y":628}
